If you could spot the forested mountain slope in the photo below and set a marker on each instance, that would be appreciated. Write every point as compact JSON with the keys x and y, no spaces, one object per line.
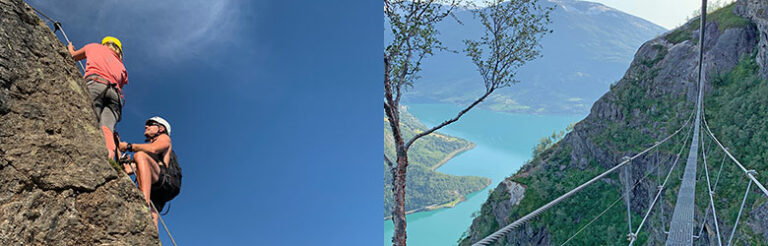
{"x":425,"y":188}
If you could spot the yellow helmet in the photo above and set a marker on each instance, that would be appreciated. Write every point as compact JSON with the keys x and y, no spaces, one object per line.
{"x":114,"y":40}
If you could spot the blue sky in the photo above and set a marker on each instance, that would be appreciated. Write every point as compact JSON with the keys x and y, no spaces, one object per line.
{"x":275,"y":109}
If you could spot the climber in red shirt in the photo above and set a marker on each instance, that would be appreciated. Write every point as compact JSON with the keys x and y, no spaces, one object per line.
{"x":105,"y":77}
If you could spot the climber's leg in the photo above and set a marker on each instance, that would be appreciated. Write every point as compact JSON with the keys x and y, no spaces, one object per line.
{"x":147,"y":173}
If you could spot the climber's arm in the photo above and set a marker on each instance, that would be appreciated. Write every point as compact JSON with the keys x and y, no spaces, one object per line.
{"x":77,"y":54}
{"x":160,"y":146}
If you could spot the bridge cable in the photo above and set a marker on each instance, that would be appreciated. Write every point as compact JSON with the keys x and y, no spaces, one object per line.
{"x":714,"y":189}
{"x":633,"y":187}
{"x":749,"y":173}
{"x":627,"y":198}
{"x":711,"y":199}
{"x":620,"y":197}
{"x":661,"y":188}
{"x":741,"y":209}
{"x":501,"y":232}
{"x":721,"y":169}
{"x":749,"y":185}
{"x":593,"y":220}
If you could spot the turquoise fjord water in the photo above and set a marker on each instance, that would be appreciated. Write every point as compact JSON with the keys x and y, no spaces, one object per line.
{"x":504,"y":142}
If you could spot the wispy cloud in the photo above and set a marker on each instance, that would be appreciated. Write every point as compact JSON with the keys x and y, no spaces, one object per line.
{"x":172,"y":30}
{"x":176,"y":30}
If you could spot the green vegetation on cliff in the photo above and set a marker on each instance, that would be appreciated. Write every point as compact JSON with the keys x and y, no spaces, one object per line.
{"x":426,"y":188}
{"x":723,"y":16}
{"x":737,"y":113}
{"x":545,"y":180}
{"x":637,"y":112}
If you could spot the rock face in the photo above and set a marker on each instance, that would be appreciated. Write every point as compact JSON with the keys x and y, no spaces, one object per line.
{"x":662,"y":75}
{"x":757,"y":12}
{"x":57,"y":186}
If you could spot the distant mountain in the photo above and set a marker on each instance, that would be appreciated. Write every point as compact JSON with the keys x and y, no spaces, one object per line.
{"x":591,"y":46}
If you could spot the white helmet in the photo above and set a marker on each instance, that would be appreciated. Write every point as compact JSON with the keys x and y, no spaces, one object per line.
{"x":161,"y":121}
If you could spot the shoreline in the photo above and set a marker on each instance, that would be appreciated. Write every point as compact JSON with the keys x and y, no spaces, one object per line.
{"x":557,"y":112}
{"x":453,"y":203}
{"x":450,"y":204}
{"x":453,"y":154}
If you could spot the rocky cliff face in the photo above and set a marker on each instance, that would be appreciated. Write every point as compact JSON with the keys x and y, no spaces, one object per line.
{"x":757,"y":12}
{"x":653,"y":99}
{"x":57,"y":185}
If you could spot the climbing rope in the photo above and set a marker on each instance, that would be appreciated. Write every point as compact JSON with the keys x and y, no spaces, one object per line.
{"x":153,"y":205}
{"x":57,"y":26}
{"x":501,"y":232}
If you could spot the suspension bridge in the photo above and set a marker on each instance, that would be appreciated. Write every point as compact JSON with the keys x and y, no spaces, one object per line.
{"x":682,"y":224}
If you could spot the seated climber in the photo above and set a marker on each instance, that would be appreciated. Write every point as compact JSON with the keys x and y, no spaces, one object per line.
{"x":105,"y":77}
{"x":151,"y":160}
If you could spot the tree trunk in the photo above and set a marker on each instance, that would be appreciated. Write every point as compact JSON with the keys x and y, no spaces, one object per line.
{"x":398,"y":187}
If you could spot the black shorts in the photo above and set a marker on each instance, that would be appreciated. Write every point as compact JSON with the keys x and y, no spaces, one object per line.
{"x":161,"y":188}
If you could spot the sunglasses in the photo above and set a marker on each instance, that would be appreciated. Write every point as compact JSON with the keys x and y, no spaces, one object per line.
{"x":152,"y":123}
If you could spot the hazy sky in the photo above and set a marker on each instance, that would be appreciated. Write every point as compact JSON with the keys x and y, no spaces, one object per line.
{"x":666,"y":13}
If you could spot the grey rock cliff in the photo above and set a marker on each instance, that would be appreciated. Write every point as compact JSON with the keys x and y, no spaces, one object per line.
{"x":757,"y":12}
{"x":57,"y":187}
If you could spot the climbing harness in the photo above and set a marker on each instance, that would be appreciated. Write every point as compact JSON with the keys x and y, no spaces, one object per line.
{"x":110,"y":85}
{"x":120,"y":101}
{"x":56,"y":27}
{"x":153,"y":206}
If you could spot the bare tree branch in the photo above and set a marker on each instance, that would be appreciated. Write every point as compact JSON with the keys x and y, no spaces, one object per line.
{"x":513,"y":28}
{"x":389,"y":162}
{"x":445,"y":123}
